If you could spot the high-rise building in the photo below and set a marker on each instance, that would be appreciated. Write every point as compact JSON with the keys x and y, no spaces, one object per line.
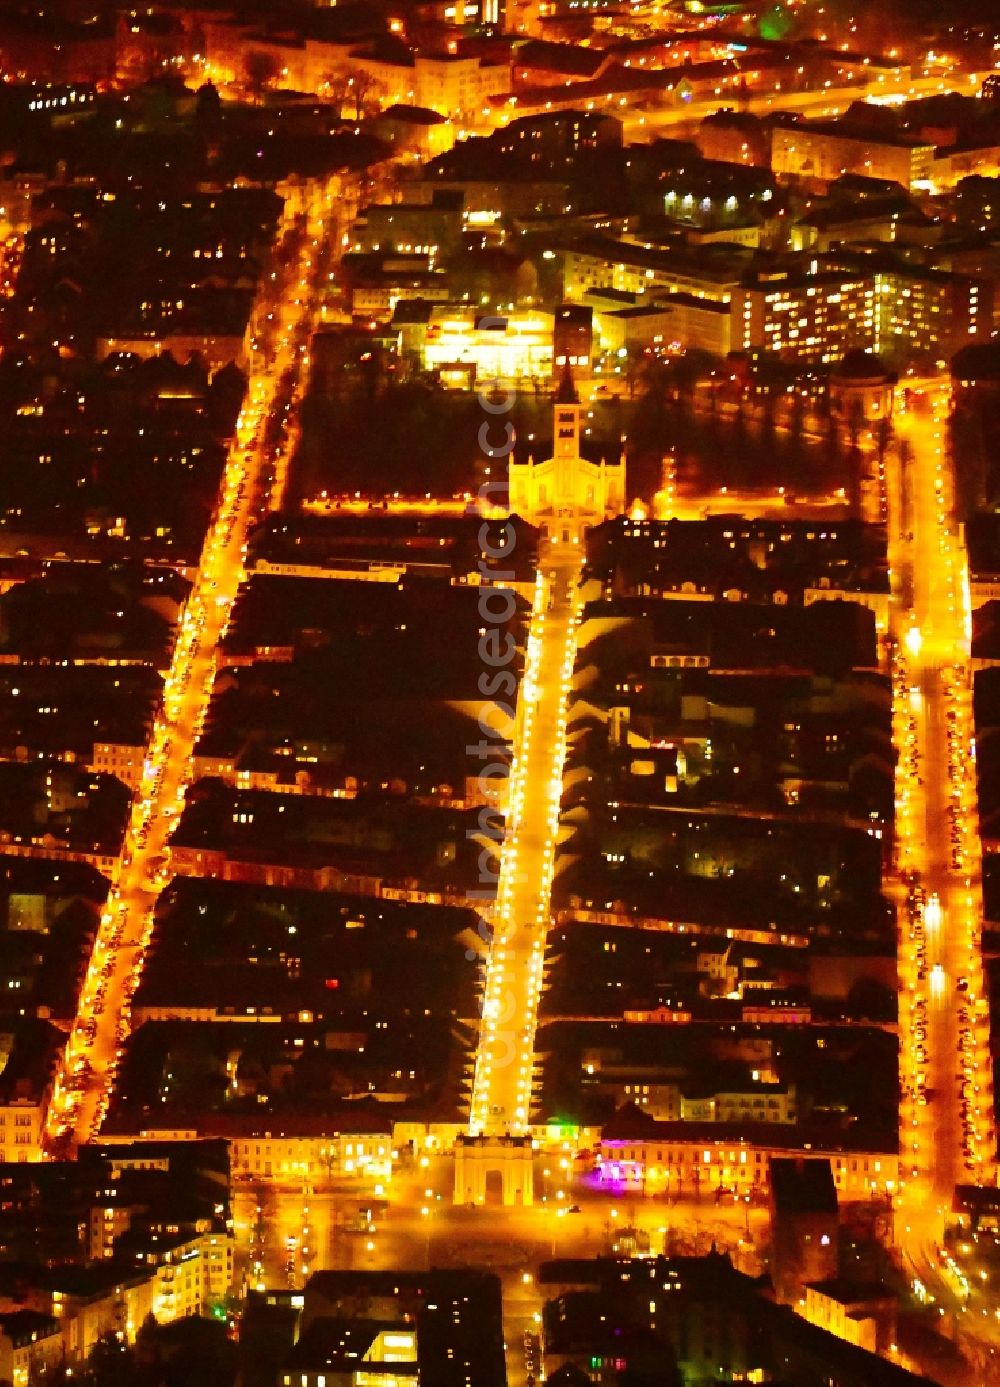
{"x":815,"y":315}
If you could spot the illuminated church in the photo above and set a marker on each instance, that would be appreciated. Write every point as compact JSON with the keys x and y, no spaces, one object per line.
{"x":565,"y":494}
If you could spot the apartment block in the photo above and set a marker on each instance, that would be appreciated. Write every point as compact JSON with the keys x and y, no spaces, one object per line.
{"x":826,"y":150}
{"x":817,"y":316}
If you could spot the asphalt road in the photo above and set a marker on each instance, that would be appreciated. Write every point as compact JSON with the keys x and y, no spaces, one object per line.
{"x":505,"y":1059}
{"x":946,"y":1134}
{"x":284,"y":314}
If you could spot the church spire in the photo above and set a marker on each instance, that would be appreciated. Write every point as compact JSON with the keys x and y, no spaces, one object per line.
{"x":566,"y":393}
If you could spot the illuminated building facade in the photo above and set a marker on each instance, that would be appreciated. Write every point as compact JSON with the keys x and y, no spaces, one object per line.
{"x":430,"y":228}
{"x":21,"y":1127}
{"x":28,"y":1053}
{"x":673,"y":322}
{"x":816,"y":318}
{"x":826,"y":150}
{"x":863,"y":1314}
{"x":932,"y":311}
{"x":634,"y":269}
{"x":362,"y":1353}
{"x":453,"y":85}
{"x":566,"y":494}
{"x":111,"y":1300}
{"x":736,"y":137}
{"x":954,"y":164}
{"x":822,"y":314}
{"x":31,"y":1347}
{"x":266,"y":1155}
{"x":688,"y":1158}
{"x":509,"y":346}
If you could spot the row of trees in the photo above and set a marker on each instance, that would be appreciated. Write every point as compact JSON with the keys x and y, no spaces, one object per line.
{"x":350,"y":88}
{"x":773,"y":422}
{"x":192,"y":1353}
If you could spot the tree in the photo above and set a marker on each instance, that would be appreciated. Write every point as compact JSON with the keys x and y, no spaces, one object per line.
{"x":260,"y":71}
{"x":796,"y":415}
{"x":337,"y":87}
{"x":832,"y":437}
{"x":362,"y":87}
{"x":208,"y":106}
{"x":692,"y":367}
{"x":870,"y":1000}
{"x":111,"y":1363}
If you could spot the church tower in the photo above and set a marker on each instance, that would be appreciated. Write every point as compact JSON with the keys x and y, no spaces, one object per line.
{"x":566,"y":435}
{"x":566,"y":494}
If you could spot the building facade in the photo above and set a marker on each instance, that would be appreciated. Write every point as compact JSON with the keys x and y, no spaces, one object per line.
{"x":566,"y":494}
{"x":826,"y":150}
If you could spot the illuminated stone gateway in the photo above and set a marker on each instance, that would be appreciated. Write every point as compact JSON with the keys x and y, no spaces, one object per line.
{"x":479,"y":1157}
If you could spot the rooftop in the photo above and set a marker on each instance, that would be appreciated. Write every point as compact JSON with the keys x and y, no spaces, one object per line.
{"x":803,"y":1187}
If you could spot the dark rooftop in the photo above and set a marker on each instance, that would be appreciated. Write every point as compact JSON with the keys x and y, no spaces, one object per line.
{"x":803,"y":1187}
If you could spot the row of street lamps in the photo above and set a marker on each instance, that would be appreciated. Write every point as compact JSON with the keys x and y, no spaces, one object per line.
{"x":90,"y":1059}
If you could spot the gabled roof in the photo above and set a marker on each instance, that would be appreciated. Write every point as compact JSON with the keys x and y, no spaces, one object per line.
{"x":568,"y":1375}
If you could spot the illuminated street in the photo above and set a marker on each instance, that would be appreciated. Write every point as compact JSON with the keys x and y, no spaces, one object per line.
{"x":283,"y":324}
{"x":946,"y":1125}
{"x":597,"y":982}
{"x":502,"y":1092}
{"x":882,"y":88}
{"x":417,"y":1226}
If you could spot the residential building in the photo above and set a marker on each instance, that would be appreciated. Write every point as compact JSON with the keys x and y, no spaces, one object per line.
{"x":379,"y":1353}
{"x":602,"y":262}
{"x":734,"y":137}
{"x":555,"y":140}
{"x":864,"y":1314}
{"x":454,"y":85}
{"x":672,"y":1157}
{"x":191,"y":1269}
{"x":430,"y":228}
{"x":31,"y":1347}
{"x":307,"y":1147}
{"x":442,"y":1328}
{"x":678,"y":321}
{"x":696,"y":1320}
{"x":965,"y":161}
{"x":91,"y":1302}
{"x":29,"y":1052}
{"x":812,"y":314}
{"x":125,"y":762}
{"x":754,"y":1102}
{"x":416,"y":130}
{"x":823,"y":151}
{"x":931,"y":313}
